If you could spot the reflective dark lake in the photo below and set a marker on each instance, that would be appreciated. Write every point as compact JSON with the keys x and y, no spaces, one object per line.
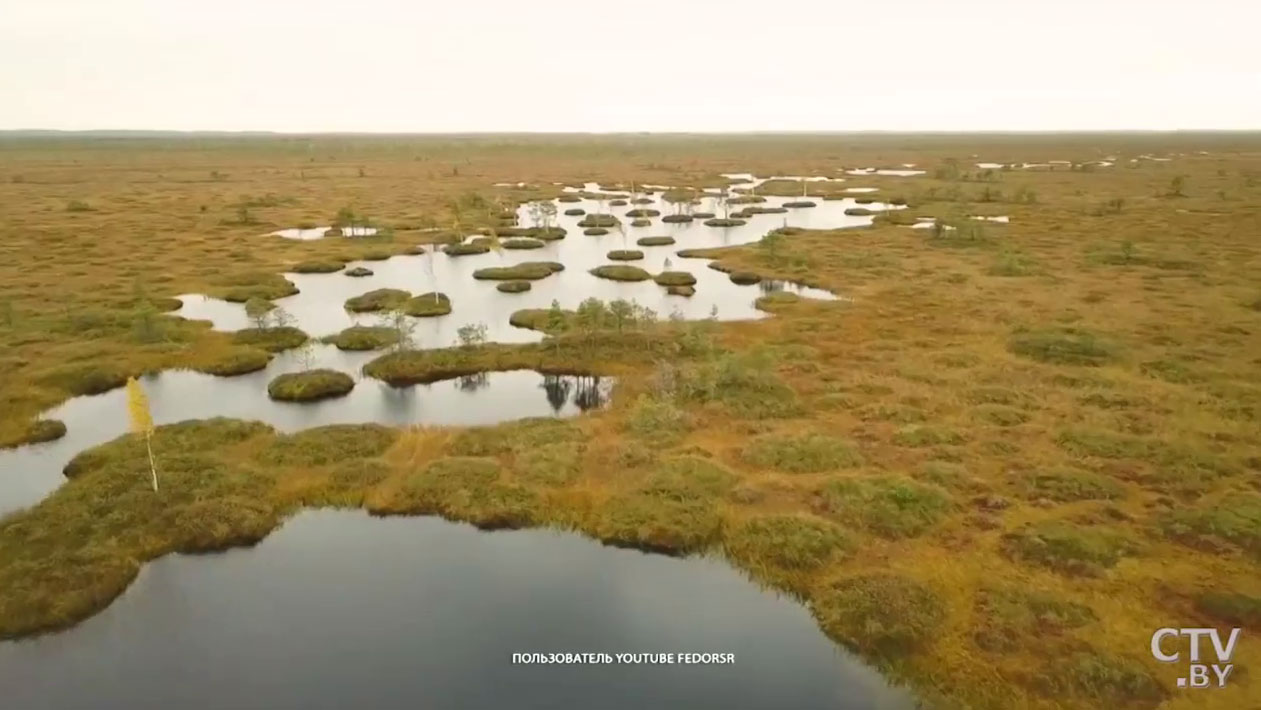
{"x":29,"y":473}
{"x":340,"y":610}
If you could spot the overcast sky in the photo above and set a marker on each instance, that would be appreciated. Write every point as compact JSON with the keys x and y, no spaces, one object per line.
{"x":646,"y":65}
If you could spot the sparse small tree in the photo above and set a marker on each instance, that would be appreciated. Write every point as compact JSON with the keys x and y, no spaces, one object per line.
{"x":472,"y":335}
{"x":258,"y":310}
{"x":1176,"y":186}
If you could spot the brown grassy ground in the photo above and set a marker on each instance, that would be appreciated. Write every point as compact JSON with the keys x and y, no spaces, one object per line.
{"x":994,"y":472}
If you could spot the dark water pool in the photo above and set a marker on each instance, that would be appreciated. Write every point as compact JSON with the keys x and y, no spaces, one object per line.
{"x":341,"y":610}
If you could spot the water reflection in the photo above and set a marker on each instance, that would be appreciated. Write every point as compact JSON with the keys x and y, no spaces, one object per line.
{"x":32,"y":472}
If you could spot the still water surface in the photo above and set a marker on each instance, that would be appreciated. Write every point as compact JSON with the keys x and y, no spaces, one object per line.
{"x":340,"y":610}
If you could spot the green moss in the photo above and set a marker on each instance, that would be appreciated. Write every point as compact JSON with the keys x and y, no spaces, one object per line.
{"x":359,"y":272}
{"x":775,"y":299}
{"x":550,"y":465}
{"x":859,"y":211}
{"x":681,"y":290}
{"x":465,"y":249}
{"x":641,"y":222}
{"x":240,"y":288}
{"x":84,"y":379}
{"x":677,"y":218}
{"x":620,"y":272}
{"x":1011,"y":617}
{"x":574,"y":212}
{"x":595,"y":231}
{"x":804,"y":453}
{"x":797,"y":204}
{"x":599,"y":221}
{"x":883,"y":615}
{"x":323,"y":445}
{"x":513,"y":286}
{"x":1235,"y":519}
{"x":428,"y":305}
{"x":467,"y":488}
{"x":1063,"y":347}
{"x":317,"y":267}
{"x":918,"y":435}
{"x":273,"y":340}
{"x":658,"y":420}
{"x":643,"y":212}
{"x":1000,"y":415}
{"x":310,"y":385}
{"x":744,"y":278}
{"x":36,"y":432}
{"x":725,"y":222}
{"x":1068,"y":548}
{"x":892,"y":507}
{"x":1090,"y":679}
{"x":625,"y":254}
{"x":381,"y":299}
{"x":516,"y":437}
{"x":361,"y":337}
{"x":1230,"y":607}
{"x":674,"y":278}
{"x":1068,"y":484}
{"x":522,"y":243}
{"x":525,"y":271}
{"x":654,"y":241}
{"x":786,"y":543}
{"x":236,"y":361}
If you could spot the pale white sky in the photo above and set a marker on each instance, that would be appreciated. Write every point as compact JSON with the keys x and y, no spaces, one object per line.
{"x":646,"y":65}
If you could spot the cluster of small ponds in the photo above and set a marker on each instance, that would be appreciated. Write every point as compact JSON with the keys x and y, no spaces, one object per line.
{"x":337,"y":608}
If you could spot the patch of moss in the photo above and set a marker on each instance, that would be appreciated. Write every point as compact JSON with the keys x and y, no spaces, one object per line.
{"x":859,"y":211}
{"x":1230,"y":607}
{"x":37,"y":432}
{"x":797,"y":204}
{"x":1063,"y":347}
{"x":641,"y":212}
{"x":467,"y":488}
{"x":1011,"y":617}
{"x":920,"y":435}
{"x":744,"y":278}
{"x":620,"y":272}
{"x":522,"y":243}
{"x":465,"y":249}
{"x":273,"y":340}
{"x":236,"y":361}
{"x":1235,"y":519}
{"x":361,"y":337}
{"x":677,"y":218}
{"x":674,"y":278}
{"x":513,"y":286}
{"x":725,"y":222}
{"x":681,"y":290}
{"x":310,"y":386}
{"x":625,"y":255}
{"x":359,"y":272}
{"x":885,"y":615}
{"x":317,"y":267}
{"x":654,"y":241}
{"x":889,"y":506}
{"x":381,"y":299}
{"x":804,"y":453}
{"x":595,"y":231}
{"x":596,"y":219}
{"x":794,"y":543}
{"x":1068,"y":484}
{"x":324,"y":445}
{"x":641,"y":222}
{"x":242,"y":287}
{"x":1068,"y":548}
{"x":574,"y":212}
{"x":1091,"y":679}
{"x":428,"y":305}
{"x":525,"y":271}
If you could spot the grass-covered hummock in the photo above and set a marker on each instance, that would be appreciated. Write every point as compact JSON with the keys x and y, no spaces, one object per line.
{"x":703,"y":215}
{"x":725,"y":222}
{"x":654,"y":241}
{"x":641,"y":222}
{"x":272,"y":339}
{"x":575,"y":212}
{"x":797,"y":204}
{"x":234,"y":361}
{"x":465,"y":249}
{"x":620,"y":272}
{"x":859,"y":211}
{"x":362,"y":337}
{"x":381,"y":299}
{"x":525,"y":271}
{"x":595,"y":231}
{"x":428,"y":305}
{"x":642,"y":212}
{"x":37,"y":431}
{"x":596,"y":219}
{"x":522,"y":243}
{"x":359,"y":272}
{"x":317,"y":267}
{"x":744,"y":278}
{"x":513,"y":286}
{"x":625,"y":255}
{"x":674,"y":278}
{"x":310,"y":386}
{"x":677,"y":218}
{"x":755,"y":210}
{"x":681,"y":290}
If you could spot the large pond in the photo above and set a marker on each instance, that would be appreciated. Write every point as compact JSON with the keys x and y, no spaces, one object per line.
{"x":29,"y":473}
{"x":341,"y":610}
{"x":318,"y":309}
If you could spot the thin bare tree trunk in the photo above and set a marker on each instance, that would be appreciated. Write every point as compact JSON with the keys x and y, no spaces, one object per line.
{"x":148,"y":443}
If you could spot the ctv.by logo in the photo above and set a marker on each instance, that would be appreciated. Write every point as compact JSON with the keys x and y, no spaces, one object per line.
{"x":1198,"y":676}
